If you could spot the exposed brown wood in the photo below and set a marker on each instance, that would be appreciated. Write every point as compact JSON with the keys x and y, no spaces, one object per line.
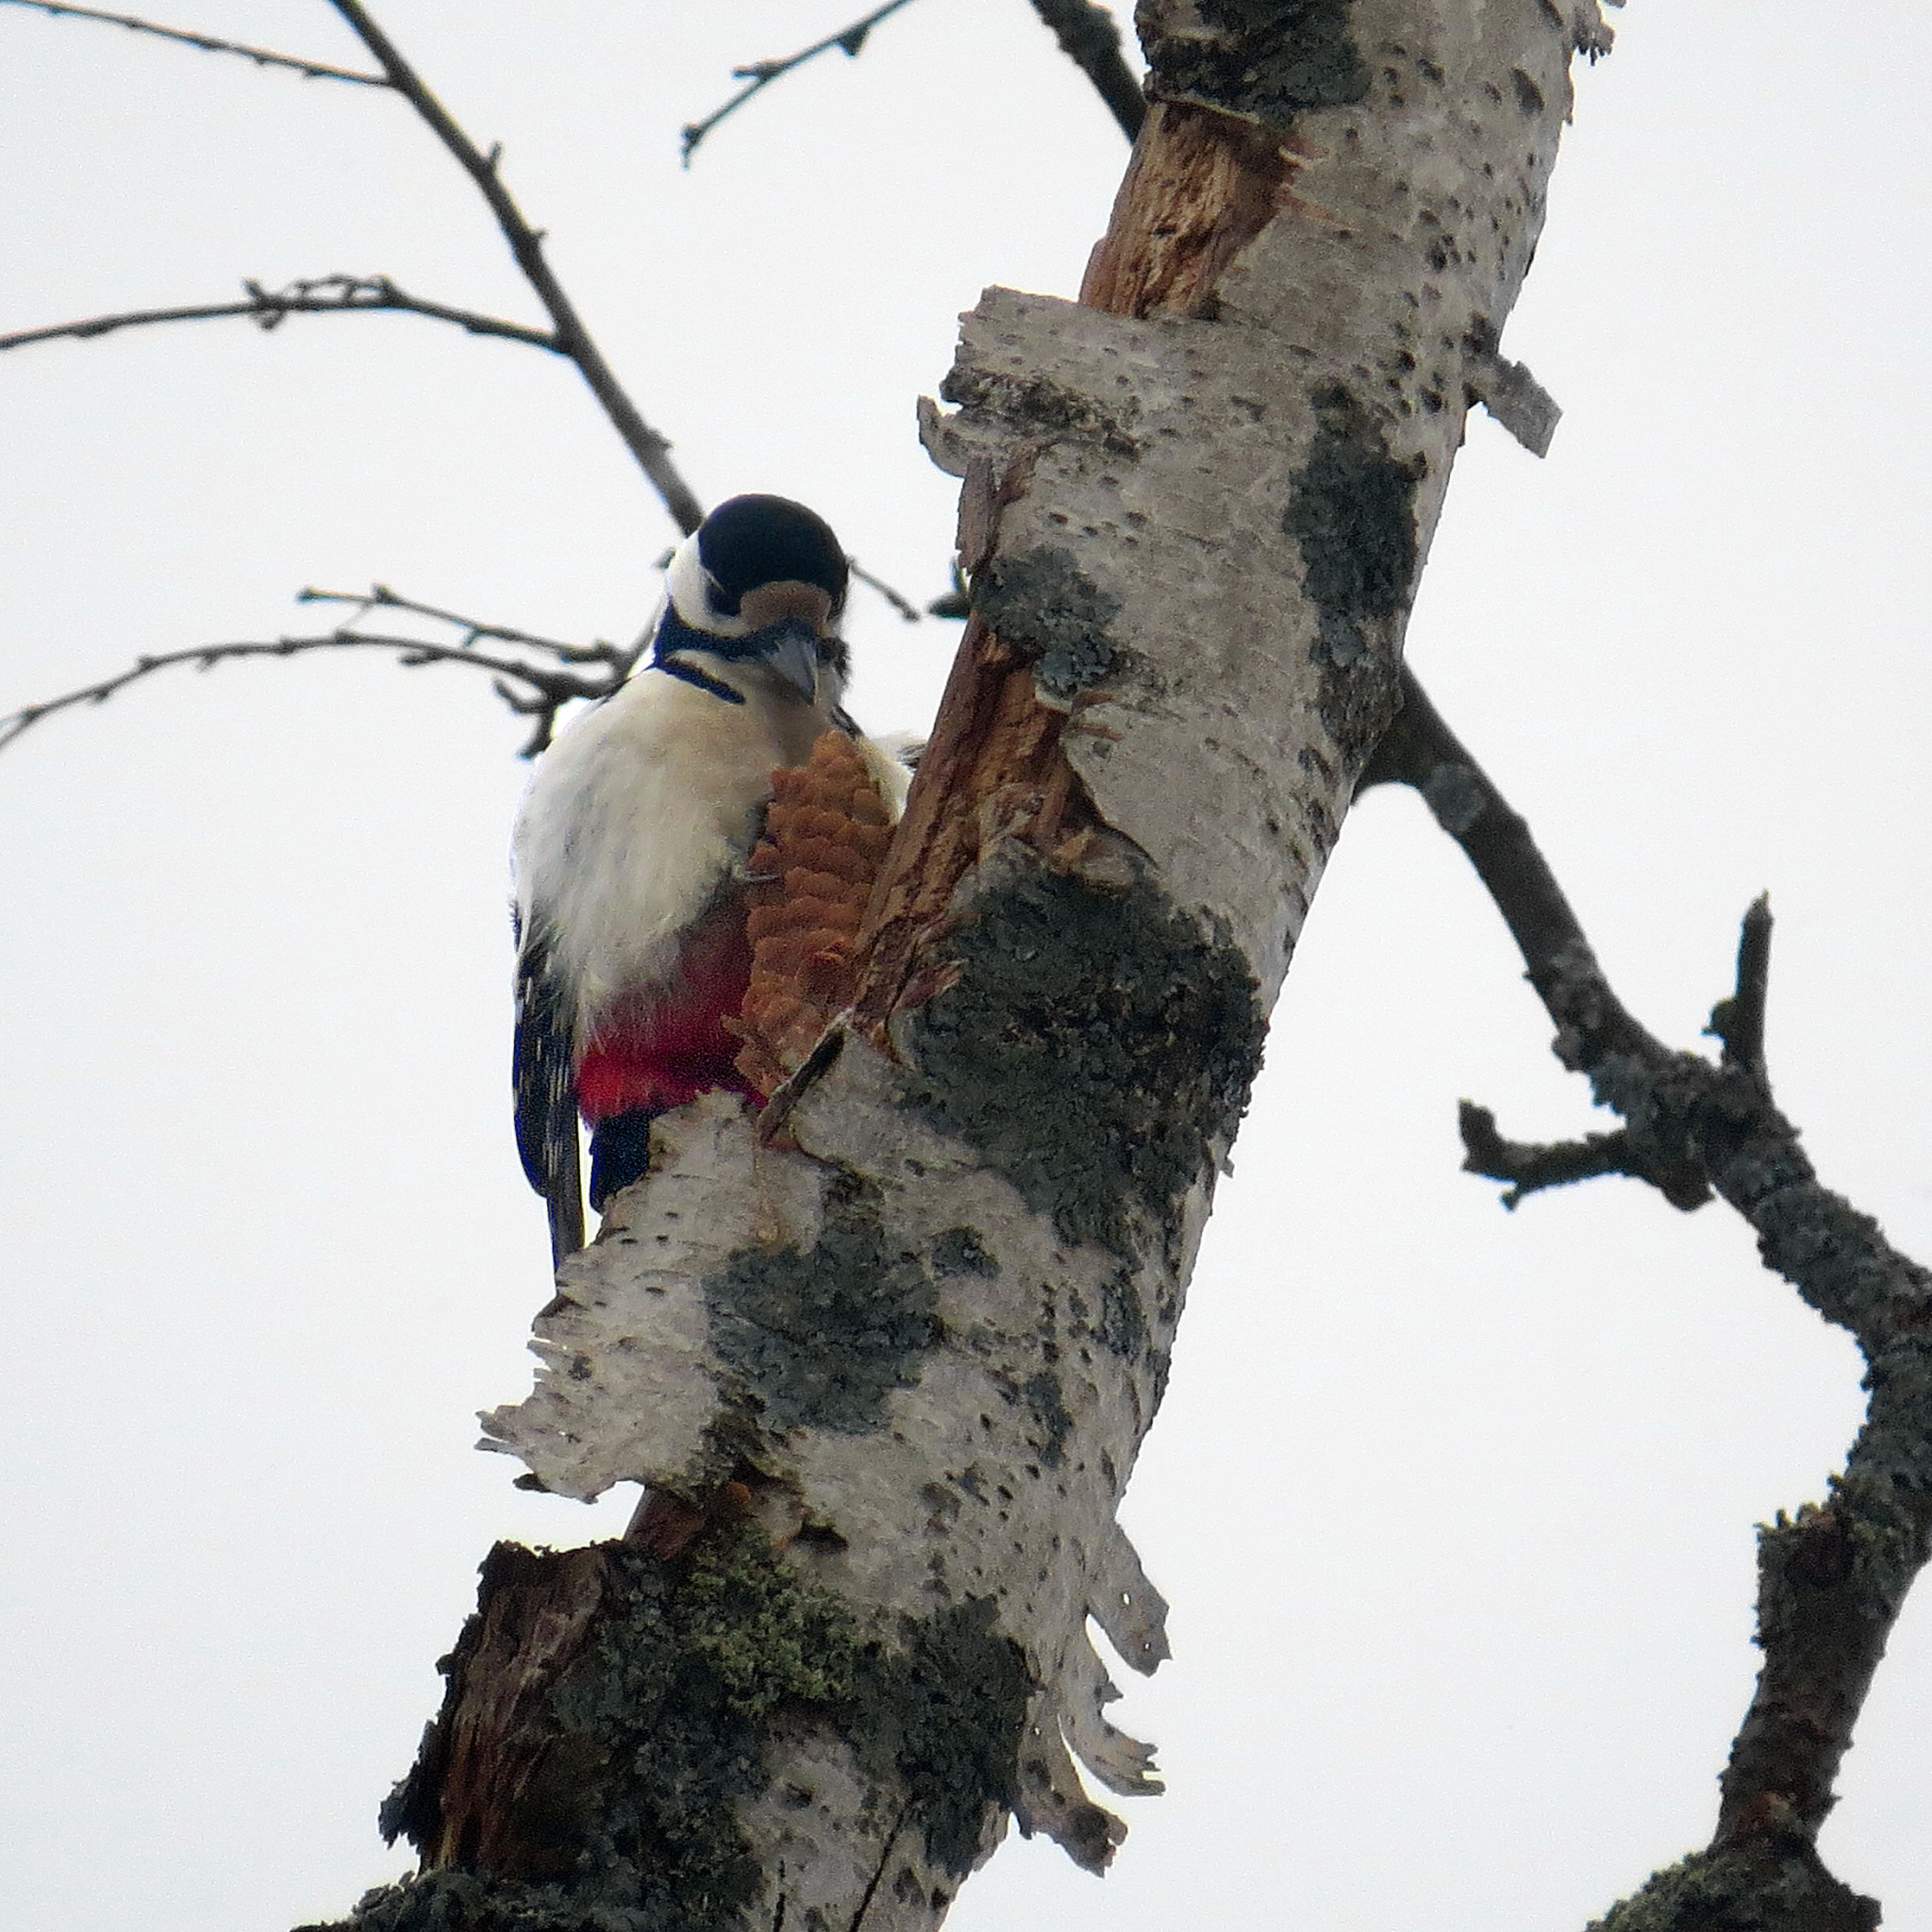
{"x":994,"y":768}
{"x":480,"y":1797}
{"x":1201,"y":186}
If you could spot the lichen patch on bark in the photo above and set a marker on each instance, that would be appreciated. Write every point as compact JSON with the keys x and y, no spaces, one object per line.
{"x":665,"y":1721}
{"x":1094,"y":1046}
{"x":949,"y":1712}
{"x":1042,"y":600}
{"x":823,"y":1335}
{"x":962,"y":1251}
{"x":1741,"y":1889}
{"x":1312,"y":59}
{"x":1351,"y":511}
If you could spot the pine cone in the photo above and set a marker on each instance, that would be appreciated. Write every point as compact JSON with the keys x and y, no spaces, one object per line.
{"x":826,"y":830}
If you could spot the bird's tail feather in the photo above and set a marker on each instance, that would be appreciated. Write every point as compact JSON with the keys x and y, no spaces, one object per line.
{"x":565,"y":1200}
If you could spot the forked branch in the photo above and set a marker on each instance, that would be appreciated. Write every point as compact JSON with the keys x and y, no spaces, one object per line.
{"x":1832,"y":1579}
{"x":343,"y":294}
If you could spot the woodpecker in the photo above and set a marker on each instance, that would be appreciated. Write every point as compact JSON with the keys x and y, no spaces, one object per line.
{"x":631,"y":845}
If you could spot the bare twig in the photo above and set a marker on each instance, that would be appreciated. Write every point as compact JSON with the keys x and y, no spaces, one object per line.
{"x":1739,"y":1022}
{"x":902,"y":604}
{"x":1833,"y":1579}
{"x":262,"y":56}
{"x":339,"y":294}
{"x":381,"y":597}
{"x":533,"y":690}
{"x":647,"y":445}
{"x":1089,"y":36}
{"x":759,"y":75}
{"x":317,"y":295}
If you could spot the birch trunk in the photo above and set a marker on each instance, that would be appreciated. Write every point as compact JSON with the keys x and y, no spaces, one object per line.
{"x":887,"y":1354}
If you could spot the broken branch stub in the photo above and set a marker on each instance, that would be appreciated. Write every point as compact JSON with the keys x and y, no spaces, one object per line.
{"x":901,"y":1364}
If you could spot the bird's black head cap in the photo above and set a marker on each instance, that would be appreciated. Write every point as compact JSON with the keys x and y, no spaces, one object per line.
{"x":749,"y":541}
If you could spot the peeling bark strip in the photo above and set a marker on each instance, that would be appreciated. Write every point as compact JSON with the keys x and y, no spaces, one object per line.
{"x":893,"y":1368}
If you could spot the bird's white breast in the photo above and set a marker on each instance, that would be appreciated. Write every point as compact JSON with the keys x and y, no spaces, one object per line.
{"x":637,"y":818}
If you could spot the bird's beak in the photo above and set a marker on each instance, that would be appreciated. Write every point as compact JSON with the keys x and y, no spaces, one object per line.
{"x":793,"y":654}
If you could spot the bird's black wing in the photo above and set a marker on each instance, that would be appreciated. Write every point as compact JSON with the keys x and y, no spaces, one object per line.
{"x":541,"y":1077}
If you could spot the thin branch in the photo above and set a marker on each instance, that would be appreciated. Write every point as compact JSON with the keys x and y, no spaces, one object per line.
{"x":647,"y":445}
{"x":339,"y":294}
{"x":1089,"y":36}
{"x":381,"y":597}
{"x":759,"y":75}
{"x":318,"y":295}
{"x":902,"y":604}
{"x":262,"y":56}
{"x":538,"y":691}
{"x":1420,"y":750}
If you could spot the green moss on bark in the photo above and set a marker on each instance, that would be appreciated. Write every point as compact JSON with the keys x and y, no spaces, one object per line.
{"x":452,"y":1901}
{"x":662,"y":1728}
{"x":1743,"y":1889}
{"x":628,"y":1817}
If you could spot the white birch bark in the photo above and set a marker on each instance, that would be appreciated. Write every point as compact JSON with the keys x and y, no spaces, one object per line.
{"x":934,"y":1316}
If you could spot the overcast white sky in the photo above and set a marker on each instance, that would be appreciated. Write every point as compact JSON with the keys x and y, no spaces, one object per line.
{"x":1454,"y":1508}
